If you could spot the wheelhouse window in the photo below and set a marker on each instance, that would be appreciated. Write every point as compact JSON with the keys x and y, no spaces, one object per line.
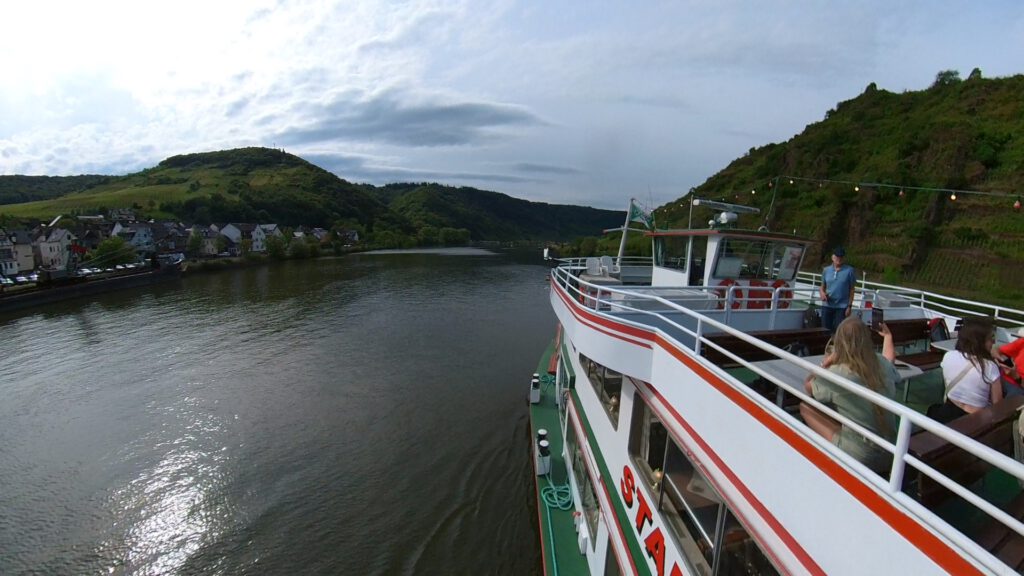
{"x":672,"y":252}
{"x":758,"y":259}
{"x":607,"y":384}
{"x":710,"y":537}
{"x":588,"y":499}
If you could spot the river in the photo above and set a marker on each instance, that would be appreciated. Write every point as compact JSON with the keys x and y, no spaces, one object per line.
{"x":355,"y":415}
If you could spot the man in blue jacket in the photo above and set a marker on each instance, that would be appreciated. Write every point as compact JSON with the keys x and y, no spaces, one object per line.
{"x":837,"y":282}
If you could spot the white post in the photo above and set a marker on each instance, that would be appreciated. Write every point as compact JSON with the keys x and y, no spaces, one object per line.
{"x":625,"y":228}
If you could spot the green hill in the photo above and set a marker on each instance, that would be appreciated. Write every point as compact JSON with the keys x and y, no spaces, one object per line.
{"x":494,"y":216}
{"x":957,"y":134}
{"x":266,"y":185}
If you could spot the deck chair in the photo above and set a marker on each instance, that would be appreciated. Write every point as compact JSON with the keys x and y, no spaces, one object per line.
{"x":609,"y":265}
{"x":594,"y":267}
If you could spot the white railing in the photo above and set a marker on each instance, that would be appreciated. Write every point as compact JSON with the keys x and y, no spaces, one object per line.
{"x":945,"y":305}
{"x":612,"y":300}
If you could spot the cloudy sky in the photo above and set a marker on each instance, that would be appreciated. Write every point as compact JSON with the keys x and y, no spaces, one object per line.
{"x":581,"y":102}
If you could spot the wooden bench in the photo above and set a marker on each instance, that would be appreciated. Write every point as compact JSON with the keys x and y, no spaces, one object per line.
{"x":927,"y":360}
{"x":1002,"y":542}
{"x":908,"y":333}
{"x":814,"y":339}
{"x":990,"y":426}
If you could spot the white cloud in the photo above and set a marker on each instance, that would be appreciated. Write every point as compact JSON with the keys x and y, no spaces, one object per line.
{"x":567,"y":102}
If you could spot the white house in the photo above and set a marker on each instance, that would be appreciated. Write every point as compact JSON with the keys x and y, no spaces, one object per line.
{"x":24,"y":253}
{"x":53,"y":249}
{"x":8,"y":263}
{"x":237,"y":232}
{"x":209,"y":236}
{"x":271,"y":230}
{"x":138,"y":234}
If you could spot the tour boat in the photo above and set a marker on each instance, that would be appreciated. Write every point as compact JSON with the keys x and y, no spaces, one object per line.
{"x":667,"y":438}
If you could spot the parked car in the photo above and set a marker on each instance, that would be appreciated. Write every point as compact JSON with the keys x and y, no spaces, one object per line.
{"x":33,"y":277}
{"x":21,"y":279}
{"x":5,"y":281}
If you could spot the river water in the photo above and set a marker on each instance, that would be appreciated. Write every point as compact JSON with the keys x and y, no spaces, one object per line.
{"x":355,"y":415}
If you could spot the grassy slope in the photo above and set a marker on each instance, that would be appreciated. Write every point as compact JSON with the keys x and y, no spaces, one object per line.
{"x":966,"y":135}
{"x":270,"y":185}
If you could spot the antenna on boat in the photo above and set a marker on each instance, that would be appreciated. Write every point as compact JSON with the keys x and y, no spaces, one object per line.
{"x":728,"y":214}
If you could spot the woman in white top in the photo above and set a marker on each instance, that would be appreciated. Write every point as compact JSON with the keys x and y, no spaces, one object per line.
{"x":970,"y":373}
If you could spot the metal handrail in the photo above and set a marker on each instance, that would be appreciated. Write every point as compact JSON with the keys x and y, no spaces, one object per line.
{"x":604,"y":302}
{"x":930,"y":300}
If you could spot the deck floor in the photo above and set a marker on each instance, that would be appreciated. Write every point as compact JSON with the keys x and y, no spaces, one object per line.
{"x":558,"y":536}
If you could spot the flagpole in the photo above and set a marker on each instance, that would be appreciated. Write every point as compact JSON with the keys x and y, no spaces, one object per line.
{"x":625,"y":230}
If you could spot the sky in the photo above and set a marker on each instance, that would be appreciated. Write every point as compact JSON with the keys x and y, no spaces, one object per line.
{"x":570,"y":102}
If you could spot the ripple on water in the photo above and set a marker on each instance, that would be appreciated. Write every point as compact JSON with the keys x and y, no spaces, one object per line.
{"x":355,"y":415}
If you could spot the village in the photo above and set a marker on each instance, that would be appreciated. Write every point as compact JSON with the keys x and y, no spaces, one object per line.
{"x":75,"y":246}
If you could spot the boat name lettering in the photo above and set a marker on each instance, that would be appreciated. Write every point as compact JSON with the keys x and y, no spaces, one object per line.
{"x":655,"y":541}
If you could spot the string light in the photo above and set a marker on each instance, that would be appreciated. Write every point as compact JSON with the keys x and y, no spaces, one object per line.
{"x":753,"y":191}
{"x":902,"y":190}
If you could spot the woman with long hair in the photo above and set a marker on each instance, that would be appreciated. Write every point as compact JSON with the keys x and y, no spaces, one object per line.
{"x":970,"y":373}
{"x":854,"y":358}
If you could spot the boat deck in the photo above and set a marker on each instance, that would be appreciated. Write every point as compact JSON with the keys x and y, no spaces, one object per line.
{"x":557,"y":528}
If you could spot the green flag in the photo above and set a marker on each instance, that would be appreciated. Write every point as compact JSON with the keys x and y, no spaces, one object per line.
{"x":637,"y":214}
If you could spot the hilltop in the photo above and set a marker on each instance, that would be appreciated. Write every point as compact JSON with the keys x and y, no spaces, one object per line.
{"x":850,"y":168}
{"x":268,"y":185}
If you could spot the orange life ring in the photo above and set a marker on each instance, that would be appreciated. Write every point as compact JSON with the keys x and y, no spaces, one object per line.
{"x":758,"y":299}
{"x":723,"y":292}
{"x":785,"y":296}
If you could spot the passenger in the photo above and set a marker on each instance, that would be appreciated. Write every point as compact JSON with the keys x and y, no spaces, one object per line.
{"x":836,"y":290}
{"x":1011,"y":358}
{"x":971,"y":374}
{"x":854,"y":357}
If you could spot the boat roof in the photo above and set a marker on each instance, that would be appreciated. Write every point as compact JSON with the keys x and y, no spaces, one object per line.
{"x":732,"y":232}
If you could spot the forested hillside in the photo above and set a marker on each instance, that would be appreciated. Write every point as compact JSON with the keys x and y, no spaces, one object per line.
{"x":878,"y":174}
{"x":267,"y":185}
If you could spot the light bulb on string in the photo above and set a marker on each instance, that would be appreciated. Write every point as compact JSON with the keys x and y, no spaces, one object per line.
{"x":753,"y":191}
{"x":901,"y":192}
{"x":953,"y":196}
{"x":856,"y":188}
{"x":790,"y":181}
{"x":1016,"y":205}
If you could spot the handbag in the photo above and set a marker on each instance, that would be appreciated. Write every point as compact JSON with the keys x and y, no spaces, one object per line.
{"x":946,"y":410}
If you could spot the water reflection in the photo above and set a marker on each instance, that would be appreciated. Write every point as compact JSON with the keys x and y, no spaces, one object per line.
{"x":357,"y":415}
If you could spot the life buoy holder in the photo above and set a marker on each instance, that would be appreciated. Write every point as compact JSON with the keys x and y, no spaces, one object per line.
{"x":759,"y":299}
{"x":723,"y":293}
{"x":786,"y":295}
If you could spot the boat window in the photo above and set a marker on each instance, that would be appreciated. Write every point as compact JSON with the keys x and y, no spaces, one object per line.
{"x":671,"y":252}
{"x":758,"y":259}
{"x":611,"y":564}
{"x":588,"y":499}
{"x":607,"y":384}
{"x":711,"y":538}
{"x":566,"y":380}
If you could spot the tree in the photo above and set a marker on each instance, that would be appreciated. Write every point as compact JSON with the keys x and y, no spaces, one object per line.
{"x":946,"y":78}
{"x":277,"y":248}
{"x":298,"y":249}
{"x":195,"y":245}
{"x":246,"y":246}
{"x":111,"y":252}
{"x":221,"y":243}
